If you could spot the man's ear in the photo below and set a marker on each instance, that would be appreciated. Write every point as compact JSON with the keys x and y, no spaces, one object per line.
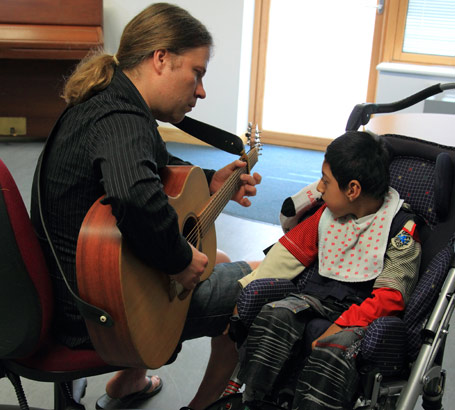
{"x":159,"y":59}
{"x":354,"y":190}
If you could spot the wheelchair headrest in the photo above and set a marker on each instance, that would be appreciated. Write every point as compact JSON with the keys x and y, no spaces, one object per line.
{"x":422,"y":172}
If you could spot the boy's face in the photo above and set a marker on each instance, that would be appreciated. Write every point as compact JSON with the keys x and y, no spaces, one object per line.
{"x":336,"y":199}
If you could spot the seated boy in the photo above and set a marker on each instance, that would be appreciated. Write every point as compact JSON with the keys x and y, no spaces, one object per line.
{"x":363,"y":240}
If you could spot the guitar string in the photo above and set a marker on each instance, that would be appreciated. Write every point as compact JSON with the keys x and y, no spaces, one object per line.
{"x":218,"y":201}
{"x":202,"y":222}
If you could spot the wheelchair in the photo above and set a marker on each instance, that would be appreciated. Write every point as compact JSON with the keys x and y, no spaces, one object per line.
{"x":401,"y":357}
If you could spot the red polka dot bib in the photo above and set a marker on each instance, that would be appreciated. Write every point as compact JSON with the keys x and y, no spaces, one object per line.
{"x":352,"y":250}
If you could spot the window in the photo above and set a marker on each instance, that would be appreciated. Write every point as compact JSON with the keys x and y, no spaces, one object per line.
{"x":420,"y":32}
{"x":313,"y":68}
{"x":341,"y":42}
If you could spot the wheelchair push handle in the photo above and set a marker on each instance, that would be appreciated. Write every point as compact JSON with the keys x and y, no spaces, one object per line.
{"x":361,"y":113}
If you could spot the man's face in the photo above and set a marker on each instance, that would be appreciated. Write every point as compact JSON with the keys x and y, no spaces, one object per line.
{"x":183,"y":84}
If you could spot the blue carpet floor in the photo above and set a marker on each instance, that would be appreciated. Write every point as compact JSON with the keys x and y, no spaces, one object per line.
{"x":284,"y":171}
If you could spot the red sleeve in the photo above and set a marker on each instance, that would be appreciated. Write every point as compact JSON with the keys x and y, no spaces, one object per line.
{"x":302,"y":240}
{"x":383,"y":302}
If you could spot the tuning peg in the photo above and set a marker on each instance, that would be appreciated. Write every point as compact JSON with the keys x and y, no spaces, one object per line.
{"x":249,"y":130}
{"x":257,"y":134}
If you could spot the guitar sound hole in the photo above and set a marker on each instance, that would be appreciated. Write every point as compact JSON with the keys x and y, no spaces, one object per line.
{"x":191,"y":231}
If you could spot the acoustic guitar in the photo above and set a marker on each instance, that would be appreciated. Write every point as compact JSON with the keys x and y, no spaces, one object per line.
{"x":148,"y":307}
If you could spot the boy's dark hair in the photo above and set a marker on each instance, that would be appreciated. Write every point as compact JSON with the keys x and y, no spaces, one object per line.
{"x":361,"y":156}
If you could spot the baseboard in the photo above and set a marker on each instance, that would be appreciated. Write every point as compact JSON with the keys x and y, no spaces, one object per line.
{"x":296,"y":141}
{"x":267,"y":137}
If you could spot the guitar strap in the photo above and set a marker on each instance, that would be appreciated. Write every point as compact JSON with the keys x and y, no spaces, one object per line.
{"x":87,"y":310}
{"x":214,"y":136}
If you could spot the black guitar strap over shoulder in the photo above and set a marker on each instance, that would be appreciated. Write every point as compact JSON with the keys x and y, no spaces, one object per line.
{"x":87,"y":310}
{"x":212,"y":135}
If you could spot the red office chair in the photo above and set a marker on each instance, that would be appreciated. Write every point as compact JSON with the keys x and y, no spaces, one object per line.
{"x":27,"y":347}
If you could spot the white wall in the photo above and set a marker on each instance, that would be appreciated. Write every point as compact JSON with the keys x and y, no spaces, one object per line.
{"x":228,"y":77}
{"x":227,"y":80}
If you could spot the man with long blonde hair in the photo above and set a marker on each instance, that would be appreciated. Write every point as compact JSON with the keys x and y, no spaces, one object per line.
{"x":107,"y":143}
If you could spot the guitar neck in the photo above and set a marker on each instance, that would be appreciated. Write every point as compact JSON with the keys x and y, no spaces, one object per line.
{"x":219,"y":200}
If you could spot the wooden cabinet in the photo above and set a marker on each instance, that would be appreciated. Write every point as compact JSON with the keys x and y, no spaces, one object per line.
{"x":41,"y":42}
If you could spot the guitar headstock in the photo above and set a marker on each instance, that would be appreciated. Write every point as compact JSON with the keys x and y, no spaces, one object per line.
{"x":254,"y":140}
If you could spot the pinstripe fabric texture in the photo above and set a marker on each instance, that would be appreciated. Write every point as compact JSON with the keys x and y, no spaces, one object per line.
{"x":329,"y":379}
{"x":108,"y":145}
{"x":281,"y":330}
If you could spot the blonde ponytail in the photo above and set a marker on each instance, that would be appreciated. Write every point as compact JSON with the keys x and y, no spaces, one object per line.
{"x":93,"y":74}
{"x":159,"y":26}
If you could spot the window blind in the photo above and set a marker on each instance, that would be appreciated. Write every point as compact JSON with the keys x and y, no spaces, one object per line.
{"x":430,"y":27}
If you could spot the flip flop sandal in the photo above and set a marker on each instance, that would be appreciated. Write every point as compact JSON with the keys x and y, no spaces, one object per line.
{"x":109,"y":403}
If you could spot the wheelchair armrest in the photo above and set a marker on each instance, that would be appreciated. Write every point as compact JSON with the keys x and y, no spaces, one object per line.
{"x":384,"y":344}
{"x":259,"y":292}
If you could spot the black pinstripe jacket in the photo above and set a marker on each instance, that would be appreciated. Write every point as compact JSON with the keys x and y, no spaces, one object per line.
{"x":108,"y":145}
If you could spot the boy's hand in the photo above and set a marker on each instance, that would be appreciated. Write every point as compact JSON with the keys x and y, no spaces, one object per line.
{"x":330,"y":331}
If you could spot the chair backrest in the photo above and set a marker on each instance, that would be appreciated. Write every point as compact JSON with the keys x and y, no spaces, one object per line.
{"x":26,"y":301}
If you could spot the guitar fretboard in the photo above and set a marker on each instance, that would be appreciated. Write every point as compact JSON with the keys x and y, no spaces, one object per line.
{"x":219,"y":200}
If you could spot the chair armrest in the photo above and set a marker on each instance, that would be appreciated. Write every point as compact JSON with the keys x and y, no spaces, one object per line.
{"x":259,"y":292}
{"x":384,"y":344}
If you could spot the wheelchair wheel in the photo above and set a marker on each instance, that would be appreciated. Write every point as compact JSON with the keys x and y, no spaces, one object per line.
{"x":234,"y":402}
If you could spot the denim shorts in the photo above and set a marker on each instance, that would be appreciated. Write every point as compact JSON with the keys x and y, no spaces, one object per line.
{"x":213,"y":301}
